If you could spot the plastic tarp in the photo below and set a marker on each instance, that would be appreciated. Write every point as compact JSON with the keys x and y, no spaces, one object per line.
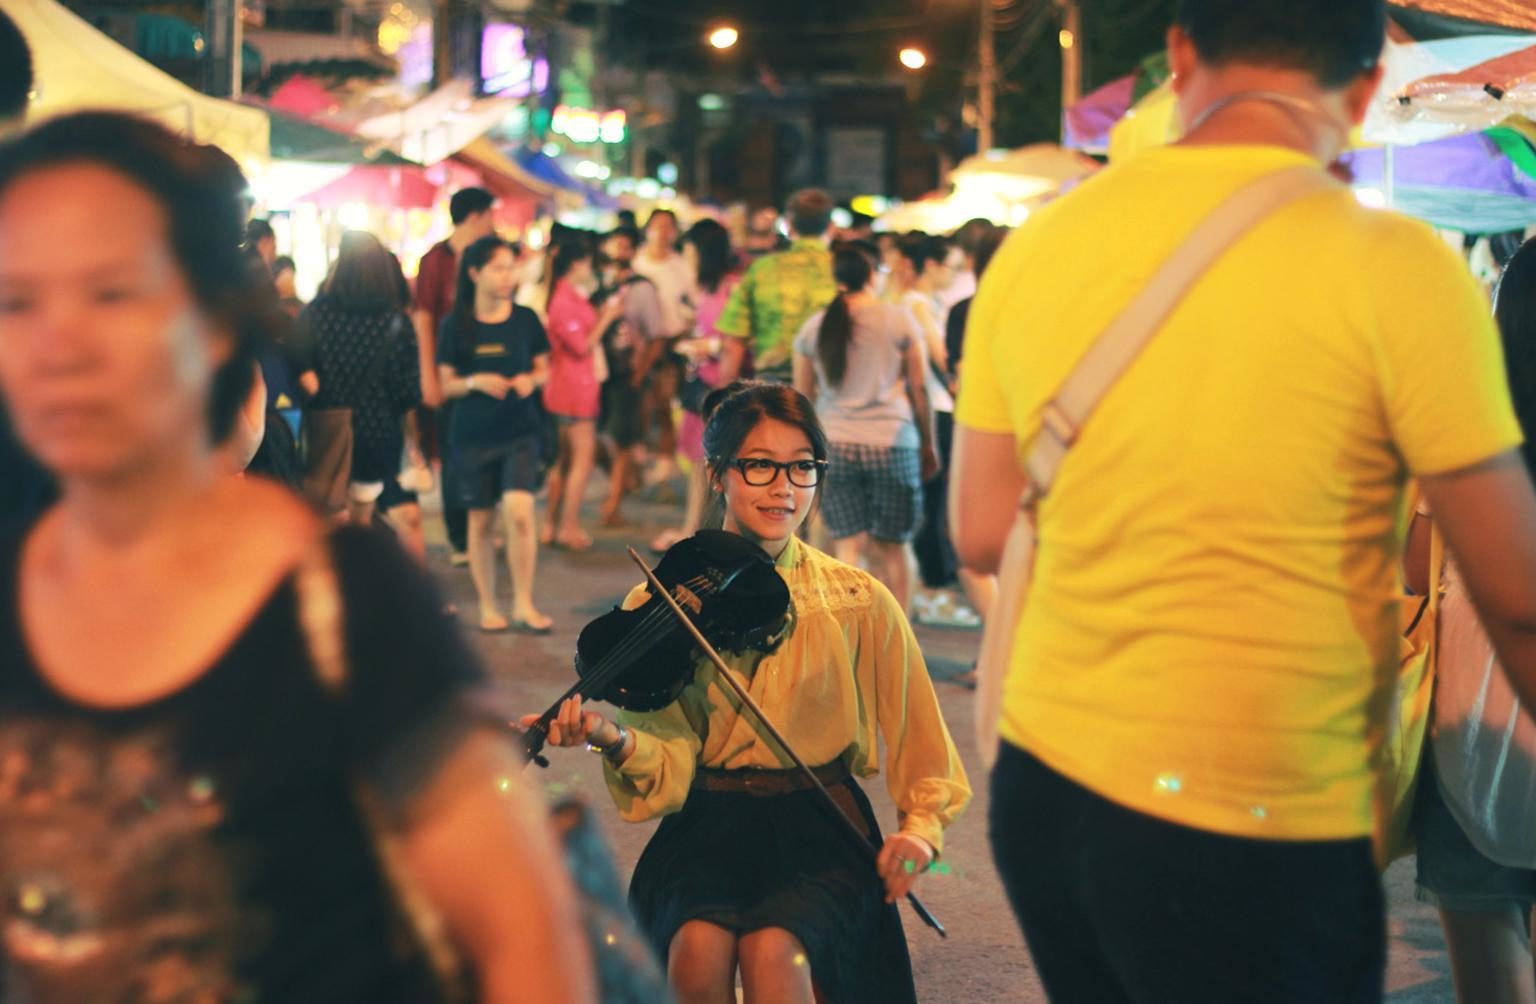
{"x":440,"y":124}
{"x":548,"y":169}
{"x":1466,"y":183}
{"x":1087,"y":123}
{"x":79,"y":68}
{"x":1003,"y":186}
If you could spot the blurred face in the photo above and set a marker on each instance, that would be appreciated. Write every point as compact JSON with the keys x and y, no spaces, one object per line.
{"x":581,"y":274}
{"x":619,"y":251}
{"x":940,"y":275}
{"x":284,"y":281}
{"x":661,"y":231}
{"x":105,"y":357}
{"x":764,"y":222}
{"x":768,"y":515}
{"x":498,"y":278}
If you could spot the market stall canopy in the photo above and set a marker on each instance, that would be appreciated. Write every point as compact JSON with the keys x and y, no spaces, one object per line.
{"x":548,"y":169}
{"x":519,"y":195}
{"x":79,"y":68}
{"x":304,"y":96}
{"x":1023,"y":174}
{"x":1519,"y":14}
{"x":1087,"y":124}
{"x":440,"y":124}
{"x":1465,"y":183}
{"x":295,"y":138}
{"x":1433,"y":89}
{"x":387,"y":187}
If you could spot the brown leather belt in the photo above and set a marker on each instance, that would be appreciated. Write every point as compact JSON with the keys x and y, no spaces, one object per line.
{"x":768,"y":782}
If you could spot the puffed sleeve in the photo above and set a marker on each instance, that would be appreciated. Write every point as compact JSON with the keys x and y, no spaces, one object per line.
{"x":655,"y":779}
{"x":922,"y":767}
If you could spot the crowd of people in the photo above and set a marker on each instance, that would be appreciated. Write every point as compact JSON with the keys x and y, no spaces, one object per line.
{"x":243,"y":743}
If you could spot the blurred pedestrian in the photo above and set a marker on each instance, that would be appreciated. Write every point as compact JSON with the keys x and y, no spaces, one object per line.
{"x":576,"y":373}
{"x":707,"y":249}
{"x":1474,"y":815}
{"x":659,"y":261}
{"x":1197,"y":697}
{"x":861,"y":362}
{"x":188,"y":812}
{"x":492,"y":357}
{"x":771,"y":303}
{"x":472,"y":211}
{"x":626,"y":344}
{"x":362,"y":351}
{"x":763,"y":237}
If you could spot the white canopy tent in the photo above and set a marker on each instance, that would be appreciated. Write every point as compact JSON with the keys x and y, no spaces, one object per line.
{"x":79,"y":68}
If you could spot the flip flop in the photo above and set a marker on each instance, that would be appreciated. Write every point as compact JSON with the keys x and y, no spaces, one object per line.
{"x":580,"y":541}
{"x":521,"y":626}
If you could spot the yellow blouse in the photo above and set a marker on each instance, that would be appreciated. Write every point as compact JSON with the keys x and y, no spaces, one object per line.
{"x":850,"y":665}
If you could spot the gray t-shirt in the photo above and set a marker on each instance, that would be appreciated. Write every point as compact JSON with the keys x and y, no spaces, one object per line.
{"x":871,"y":407}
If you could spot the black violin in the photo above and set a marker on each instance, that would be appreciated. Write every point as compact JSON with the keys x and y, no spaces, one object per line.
{"x":640,"y":660}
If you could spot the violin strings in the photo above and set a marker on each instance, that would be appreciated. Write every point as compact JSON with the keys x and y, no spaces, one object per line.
{"x":652,"y":627}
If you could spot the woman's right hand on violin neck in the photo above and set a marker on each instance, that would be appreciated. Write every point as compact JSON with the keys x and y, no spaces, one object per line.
{"x":575,"y":726}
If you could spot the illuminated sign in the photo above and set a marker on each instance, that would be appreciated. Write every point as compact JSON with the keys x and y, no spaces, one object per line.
{"x":506,"y":67}
{"x":583,"y":125}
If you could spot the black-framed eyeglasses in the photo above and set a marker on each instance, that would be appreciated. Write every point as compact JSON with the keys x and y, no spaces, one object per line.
{"x":760,"y":472}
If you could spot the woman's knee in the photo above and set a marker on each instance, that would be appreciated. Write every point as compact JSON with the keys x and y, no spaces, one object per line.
{"x":701,"y":959}
{"x":771,"y":948}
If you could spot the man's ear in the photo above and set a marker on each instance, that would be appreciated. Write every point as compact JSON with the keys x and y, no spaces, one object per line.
{"x":1359,"y":94}
{"x":1182,"y":58}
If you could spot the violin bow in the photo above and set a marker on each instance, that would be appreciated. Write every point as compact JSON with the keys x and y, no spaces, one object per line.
{"x":723,"y":671}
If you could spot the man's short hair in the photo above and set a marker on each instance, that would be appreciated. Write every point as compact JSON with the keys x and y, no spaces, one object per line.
{"x":810,"y":212}
{"x":1334,"y":40}
{"x":466,"y":202}
{"x":15,"y":70}
{"x":660,"y":212}
{"x":258,"y":229}
{"x":627,"y":233}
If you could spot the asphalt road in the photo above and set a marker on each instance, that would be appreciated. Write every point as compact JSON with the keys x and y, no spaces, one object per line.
{"x":984,"y":958}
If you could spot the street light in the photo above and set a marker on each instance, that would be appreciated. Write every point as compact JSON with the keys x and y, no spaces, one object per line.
{"x":724,"y":37}
{"x":913,"y":58}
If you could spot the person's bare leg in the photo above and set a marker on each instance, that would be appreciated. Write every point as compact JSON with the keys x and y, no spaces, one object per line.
{"x":888,"y":563}
{"x":980,"y":590}
{"x":1490,"y":956}
{"x":774,"y":968}
{"x":850,"y":550}
{"x":582,"y":440}
{"x":360,"y":513}
{"x":701,"y":964}
{"x":554,"y":488}
{"x":693,"y":513}
{"x":482,"y":568}
{"x":618,"y":485}
{"x":522,"y":556}
{"x":405,"y":520}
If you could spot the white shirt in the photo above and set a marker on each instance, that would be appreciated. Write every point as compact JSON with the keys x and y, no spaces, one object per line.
{"x":674,"y":282}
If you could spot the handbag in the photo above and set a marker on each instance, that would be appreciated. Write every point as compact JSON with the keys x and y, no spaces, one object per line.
{"x":1106,"y":360}
{"x":626,"y":970}
{"x":1412,"y":697}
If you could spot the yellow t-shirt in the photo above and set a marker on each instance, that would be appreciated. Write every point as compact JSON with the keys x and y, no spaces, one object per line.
{"x":1212,"y":626}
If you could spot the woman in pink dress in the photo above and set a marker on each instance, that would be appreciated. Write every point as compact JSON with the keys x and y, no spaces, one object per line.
{"x":575,"y":330}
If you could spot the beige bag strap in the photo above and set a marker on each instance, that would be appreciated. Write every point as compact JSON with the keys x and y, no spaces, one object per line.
{"x":1111,"y":355}
{"x":1107,"y":359}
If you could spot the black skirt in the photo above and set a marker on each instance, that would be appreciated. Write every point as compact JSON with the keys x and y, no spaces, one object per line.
{"x":746,"y":861}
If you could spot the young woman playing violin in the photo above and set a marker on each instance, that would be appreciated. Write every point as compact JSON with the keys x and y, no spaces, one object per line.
{"x":747,"y":870}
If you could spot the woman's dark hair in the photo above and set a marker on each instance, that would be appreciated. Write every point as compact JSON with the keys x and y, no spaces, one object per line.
{"x":920,"y":249}
{"x":204,"y":226}
{"x":282,"y":263}
{"x":402,"y":284}
{"x":15,"y":70}
{"x":852,"y":269}
{"x":716,"y":259}
{"x":733,"y":411}
{"x":561,"y":259}
{"x":986,"y":248}
{"x":364,"y":280}
{"x":1514,"y":305}
{"x":1333,"y":40}
{"x":474,"y":258}
{"x":259,"y":230}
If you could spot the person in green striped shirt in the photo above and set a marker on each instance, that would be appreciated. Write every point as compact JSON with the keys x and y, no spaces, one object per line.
{"x":778,"y":293}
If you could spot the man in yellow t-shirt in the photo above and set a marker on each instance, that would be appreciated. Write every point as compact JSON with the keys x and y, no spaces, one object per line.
{"x":1183,"y":800}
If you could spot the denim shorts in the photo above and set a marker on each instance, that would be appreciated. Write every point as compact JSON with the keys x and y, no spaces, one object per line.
{"x":1453,"y":874}
{"x":483,"y":474}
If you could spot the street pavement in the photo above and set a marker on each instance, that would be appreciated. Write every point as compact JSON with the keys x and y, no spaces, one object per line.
{"x":984,"y":958}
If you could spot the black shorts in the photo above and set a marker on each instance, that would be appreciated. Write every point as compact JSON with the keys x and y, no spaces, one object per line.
{"x":483,"y":474}
{"x":1120,"y":907}
{"x":621,"y":412}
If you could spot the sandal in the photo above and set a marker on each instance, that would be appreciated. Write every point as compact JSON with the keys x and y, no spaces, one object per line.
{"x":522,"y":626}
{"x":493,"y":624}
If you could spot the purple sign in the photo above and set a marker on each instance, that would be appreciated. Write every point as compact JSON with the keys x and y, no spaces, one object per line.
{"x":506,"y":67}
